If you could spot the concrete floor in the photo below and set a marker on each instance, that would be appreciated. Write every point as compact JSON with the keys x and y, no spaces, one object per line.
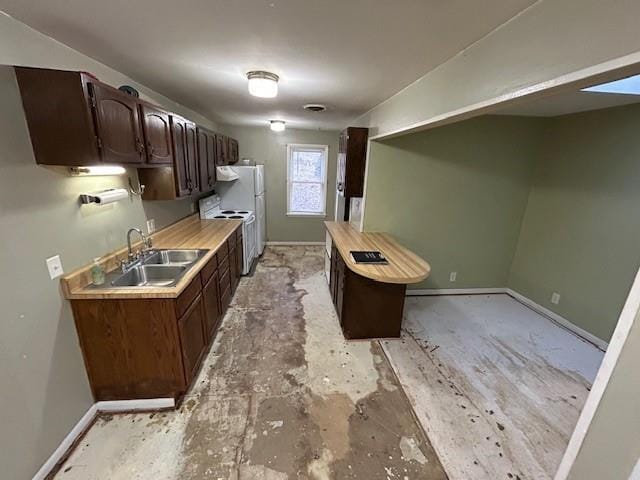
{"x":281,"y":395}
{"x":497,"y":387}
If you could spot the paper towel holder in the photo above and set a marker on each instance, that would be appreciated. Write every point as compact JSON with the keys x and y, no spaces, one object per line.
{"x":104,"y":197}
{"x":136,"y":191}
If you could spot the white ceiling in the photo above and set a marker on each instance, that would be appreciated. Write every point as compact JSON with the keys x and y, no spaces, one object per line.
{"x":566,"y":103}
{"x":347,"y":54}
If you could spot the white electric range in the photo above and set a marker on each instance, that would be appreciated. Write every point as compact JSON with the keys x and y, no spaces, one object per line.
{"x":210,"y":209}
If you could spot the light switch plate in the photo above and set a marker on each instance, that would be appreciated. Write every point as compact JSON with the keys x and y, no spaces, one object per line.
{"x":54,"y":264}
{"x":555,"y":298}
{"x":151,"y":225}
{"x":453,"y":276}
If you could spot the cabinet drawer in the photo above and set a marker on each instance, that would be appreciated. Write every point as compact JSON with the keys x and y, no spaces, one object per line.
{"x":225,"y":283}
{"x":188,"y":295}
{"x":223,"y":266}
{"x":209,"y":268}
{"x":223,"y":251}
{"x":225,"y":299}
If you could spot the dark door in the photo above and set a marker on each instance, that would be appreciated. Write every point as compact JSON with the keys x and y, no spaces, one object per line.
{"x":239,"y":255}
{"x":233,"y":151}
{"x":180,"y":171}
{"x":203,"y":157}
{"x":221,"y":150}
{"x":157,"y":135}
{"x":192,"y":158}
{"x":212,"y":310}
{"x":192,"y":339}
{"x":118,"y":125}
{"x":211,"y":158}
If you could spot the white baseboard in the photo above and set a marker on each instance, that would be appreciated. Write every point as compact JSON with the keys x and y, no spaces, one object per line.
{"x":133,"y":405}
{"x":86,"y":420}
{"x":601,"y":344}
{"x":67,"y":443}
{"x":554,"y":317}
{"x":295,"y":243}
{"x":454,"y":291}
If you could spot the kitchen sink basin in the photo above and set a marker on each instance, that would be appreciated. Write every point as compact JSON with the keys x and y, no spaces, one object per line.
{"x":160,"y":268}
{"x":174,"y":257}
{"x":150,"y":276}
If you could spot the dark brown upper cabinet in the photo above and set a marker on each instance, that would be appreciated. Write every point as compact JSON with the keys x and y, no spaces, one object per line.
{"x":180,"y":167}
{"x":182,"y":178}
{"x":233,"y":151}
{"x":221,"y":150}
{"x":57,"y":107}
{"x":157,"y":134}
{"x":352,"y":153}
{"x":206,"y":159}
{"x":118,"y":125}
{"x":193,"y":177}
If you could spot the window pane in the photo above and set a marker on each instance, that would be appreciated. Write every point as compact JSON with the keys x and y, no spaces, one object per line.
{"x":306,"y":198}
{"x":306,"y":166}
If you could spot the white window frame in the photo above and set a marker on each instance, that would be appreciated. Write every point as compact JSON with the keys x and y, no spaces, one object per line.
{"x":290,"y":148}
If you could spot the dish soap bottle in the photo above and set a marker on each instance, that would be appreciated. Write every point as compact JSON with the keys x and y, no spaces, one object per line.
{"x":97,"y":272}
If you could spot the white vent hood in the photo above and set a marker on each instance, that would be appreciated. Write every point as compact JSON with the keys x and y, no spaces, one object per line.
{"x":226,"y":174}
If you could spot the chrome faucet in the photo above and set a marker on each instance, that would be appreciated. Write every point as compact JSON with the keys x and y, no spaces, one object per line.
{"x":131,"y":255}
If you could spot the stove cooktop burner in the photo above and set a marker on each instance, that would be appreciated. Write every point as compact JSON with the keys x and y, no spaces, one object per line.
{"x":220,"y":216}
{"x":229,"y":212}
{"x":240,"y":217}
{"x":242,"y":211}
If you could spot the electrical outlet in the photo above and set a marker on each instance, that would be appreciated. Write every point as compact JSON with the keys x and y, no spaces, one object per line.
{"x":151,"y":225}
{"x":54,"y":264}
{"x":555,"y":298}
{"x":453,"y":276}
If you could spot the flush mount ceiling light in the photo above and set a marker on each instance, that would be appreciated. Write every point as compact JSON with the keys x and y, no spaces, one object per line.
{"x":263,"y":84}
{"x":97,"y":170}
{"x":277,"y":125}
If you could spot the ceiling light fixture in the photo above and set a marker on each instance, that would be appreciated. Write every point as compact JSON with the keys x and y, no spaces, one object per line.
{"x":277,"y":125}
{"x":315,"y":107}
{"x":97,"y":170}
{"x":263,"y":84}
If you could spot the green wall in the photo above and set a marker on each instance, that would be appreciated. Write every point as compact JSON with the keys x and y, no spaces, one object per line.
{"x":581,"y":231}
{"x":270,"y":148}
{"x":456,"y":196}
{"x":538,"y":205}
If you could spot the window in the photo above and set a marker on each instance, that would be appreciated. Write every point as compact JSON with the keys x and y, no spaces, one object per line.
{"x":307,"y":180}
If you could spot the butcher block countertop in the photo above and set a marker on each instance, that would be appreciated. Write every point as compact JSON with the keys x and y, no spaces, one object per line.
{"x":191,"y":232}
{"x":404,"y":266}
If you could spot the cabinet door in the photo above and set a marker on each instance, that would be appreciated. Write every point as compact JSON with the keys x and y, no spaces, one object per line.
{"x":203,"y":156}
{"x":340,"y":283}
{"x":192,"y":337}
{"x":221,"y":150}
{"x":233,"y":151}
{"x":192,"y":158}
{"x":157,"y":135}
{"x":211,"y":158}
{"x":212,"y":309}
{"x":180,"y":171}
{"x":117,"y":125}
{"x":234,"y":274}
{"x":239,"y":255}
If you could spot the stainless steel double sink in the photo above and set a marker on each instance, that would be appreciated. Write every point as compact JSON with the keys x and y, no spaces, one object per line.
{"x":159,"y":268}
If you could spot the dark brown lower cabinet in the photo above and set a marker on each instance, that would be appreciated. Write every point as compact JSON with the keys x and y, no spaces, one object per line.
{"x":153,"y":347}
{"x":212,"y":308}
{"x":366,"y":308}
{"x":192,"y":337}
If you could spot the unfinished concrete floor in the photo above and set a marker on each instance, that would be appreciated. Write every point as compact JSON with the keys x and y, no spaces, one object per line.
{"x":281,"y":395}
{"x":497,"y":387}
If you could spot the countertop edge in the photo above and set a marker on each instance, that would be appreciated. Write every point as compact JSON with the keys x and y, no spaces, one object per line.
{"x":357,"y":268}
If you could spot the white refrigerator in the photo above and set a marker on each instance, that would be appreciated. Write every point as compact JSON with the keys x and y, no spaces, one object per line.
{"x":247,"y":193}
